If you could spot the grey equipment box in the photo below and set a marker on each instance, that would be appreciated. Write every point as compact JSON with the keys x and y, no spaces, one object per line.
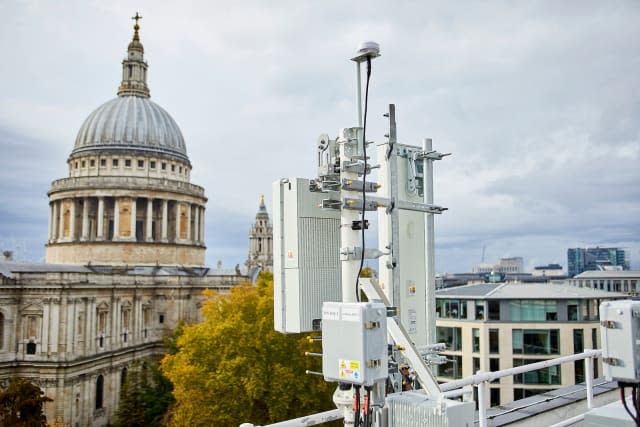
{"x":415,"y":409}
{"x":354,"y":342}
{"x":620,"y":332}
{"x":306,"y":256}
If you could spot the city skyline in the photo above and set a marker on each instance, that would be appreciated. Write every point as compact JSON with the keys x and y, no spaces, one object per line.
{"x":538,"y":104}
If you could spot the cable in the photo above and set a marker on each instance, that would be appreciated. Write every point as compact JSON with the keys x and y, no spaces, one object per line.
{"x":364,"y":174}
{"x":624,"y":403}
{"x":367,"y":408}
{"x":356,"y":407}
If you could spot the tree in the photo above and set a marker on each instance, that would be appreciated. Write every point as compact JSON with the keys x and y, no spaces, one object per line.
{"x":21,"y":405}
{"x":233,"y":367}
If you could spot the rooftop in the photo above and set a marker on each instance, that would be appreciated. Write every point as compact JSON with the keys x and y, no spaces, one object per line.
{"x":498,"y":291}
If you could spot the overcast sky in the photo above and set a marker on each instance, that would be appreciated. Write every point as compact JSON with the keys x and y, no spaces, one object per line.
{"x":539,"y":102}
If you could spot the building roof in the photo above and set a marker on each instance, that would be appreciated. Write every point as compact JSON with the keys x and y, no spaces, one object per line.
{"x":499,"y":291}
{"x":608,"y":274}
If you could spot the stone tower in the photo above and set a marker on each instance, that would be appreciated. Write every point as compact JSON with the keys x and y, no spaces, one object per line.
{"x":260,"y":243}
{"x":128,"y":199}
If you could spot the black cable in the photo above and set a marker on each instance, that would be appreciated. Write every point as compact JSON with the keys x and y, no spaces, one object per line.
{"x":364,"y":174}
{"x":626,"y":407}
{"x":367,"y":408}
{"x":356,"y":407}
{"x":634,"y":398}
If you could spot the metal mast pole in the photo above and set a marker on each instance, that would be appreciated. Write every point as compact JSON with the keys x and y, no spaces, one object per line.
{"x":427,"y":173}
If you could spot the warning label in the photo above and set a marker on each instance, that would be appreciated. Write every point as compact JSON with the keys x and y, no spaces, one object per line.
{"x":349,"y":370}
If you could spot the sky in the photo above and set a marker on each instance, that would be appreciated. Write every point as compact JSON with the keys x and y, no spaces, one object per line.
{"x":538,"y":102}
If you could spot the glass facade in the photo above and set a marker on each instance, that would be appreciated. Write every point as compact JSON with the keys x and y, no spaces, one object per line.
{"x":451,"y":369}
{"x":451,"y":309}
{"x":452,"y":337}
{"x":475,"y":333}
{"x":494,"y":341}
{"x":536,"y":341}
{"x":533,"y":310}
{"x":548,"y":375}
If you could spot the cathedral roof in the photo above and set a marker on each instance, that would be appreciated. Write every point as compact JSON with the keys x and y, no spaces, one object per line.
{"x":131,"y":121}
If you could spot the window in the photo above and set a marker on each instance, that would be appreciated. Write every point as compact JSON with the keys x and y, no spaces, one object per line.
{"x":152,"y":164}
{"x":92,"y":163}
{"x":451,"y":369}
{"x":161,"y":318}
{"x":140,"y":163}
{"x":533,"y":310}
{"x":578,"y":341}
{"x":578,"y":371}
{"x":76,"y":165}
{"x":114,"y":163}
{"x":494,"y":396}
{"x":84,"y":164}
{"x":103,"y":163}
{"x":164,"y":166}
{"x":494,"y":366}
{"x":451,"y":309}
{"x":31,"y":347}
{"x":494,"y":310}
{"x":475,"y":334}
{"x":450,"y":336}
{"x":180,"y":169}
{"x":494,"y":341}
{"x":479,"y":310}
{"x":594,"y":338}
{"x":536,"y":341}
{"x":127,"y":163}
{"x":549,"y":375}
{"x":572,"y":311}
{"x":476,"y":365}
{"x":99,"y":391}
{"x":173,"y":168}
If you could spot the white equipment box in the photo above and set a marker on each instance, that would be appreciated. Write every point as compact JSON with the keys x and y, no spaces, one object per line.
{"x":354,"y":342}
{"x":620,"y":332}
{"x":306,"y":256}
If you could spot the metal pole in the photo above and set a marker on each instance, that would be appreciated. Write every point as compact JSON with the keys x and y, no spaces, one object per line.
{"x":482,"y":403}
{"x":588,"y":368}
{"x":427,"y":177}
{"x":359,"y":93}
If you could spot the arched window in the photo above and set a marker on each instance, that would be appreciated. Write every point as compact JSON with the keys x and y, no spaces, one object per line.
{"x":99,"y":391}
{"x":31,"y":347}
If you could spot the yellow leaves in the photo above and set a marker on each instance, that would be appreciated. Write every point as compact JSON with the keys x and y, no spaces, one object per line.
{"x":234,"y":368}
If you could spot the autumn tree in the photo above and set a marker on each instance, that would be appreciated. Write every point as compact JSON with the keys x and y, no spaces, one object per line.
{"x":234,"y":368}
{"x":21,"y":405}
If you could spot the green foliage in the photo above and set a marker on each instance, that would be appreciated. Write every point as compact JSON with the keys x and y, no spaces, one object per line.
{"x":235,"y":368}
{"x":144,"y":398}
{"x":21,"y":405}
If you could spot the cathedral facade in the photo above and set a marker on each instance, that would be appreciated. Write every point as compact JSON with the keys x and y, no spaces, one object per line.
{"x":125,"y":258}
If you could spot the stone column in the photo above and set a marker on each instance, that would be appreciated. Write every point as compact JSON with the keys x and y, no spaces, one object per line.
{"x":149,"y":222}
{"x":177,"y":227}
{"x":54,"y":221}
{"x":189,"y":206}
{"x":50,"y":222}
{"x":202,"y":210}
{"x":85,"y":220}
{"x":100,"y":222}
{"x":60,"y":219}
{"x":196,"y":225}
{"x":165,"y":219}
{"x":72,"y":221}
{"x":116,"y":219}
{"x":44,"y":337}
{"x":134,"y":214}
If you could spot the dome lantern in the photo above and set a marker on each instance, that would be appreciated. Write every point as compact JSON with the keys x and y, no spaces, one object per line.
{"x":134,"y":69}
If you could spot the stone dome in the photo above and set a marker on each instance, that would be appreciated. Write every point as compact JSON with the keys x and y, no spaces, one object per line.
{"x":131,"y":123}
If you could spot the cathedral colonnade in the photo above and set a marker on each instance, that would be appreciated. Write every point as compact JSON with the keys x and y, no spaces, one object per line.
{"x":125,"y":219}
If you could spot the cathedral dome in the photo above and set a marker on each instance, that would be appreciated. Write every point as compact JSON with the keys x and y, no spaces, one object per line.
{"x":131,"y":123}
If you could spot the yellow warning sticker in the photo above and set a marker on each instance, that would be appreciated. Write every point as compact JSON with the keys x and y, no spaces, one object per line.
{"x":349,"y":370}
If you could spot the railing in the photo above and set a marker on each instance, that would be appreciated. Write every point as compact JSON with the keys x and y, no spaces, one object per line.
{"x":481,"y":379}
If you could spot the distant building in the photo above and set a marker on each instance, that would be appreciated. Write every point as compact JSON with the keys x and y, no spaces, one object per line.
{"x":592,"y":259}
{"x":260,"y":256}
{"x":505,"y":265}
{"x":609,"y":281}
{"x":549,"y":270}
{"x":494,"y":326}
